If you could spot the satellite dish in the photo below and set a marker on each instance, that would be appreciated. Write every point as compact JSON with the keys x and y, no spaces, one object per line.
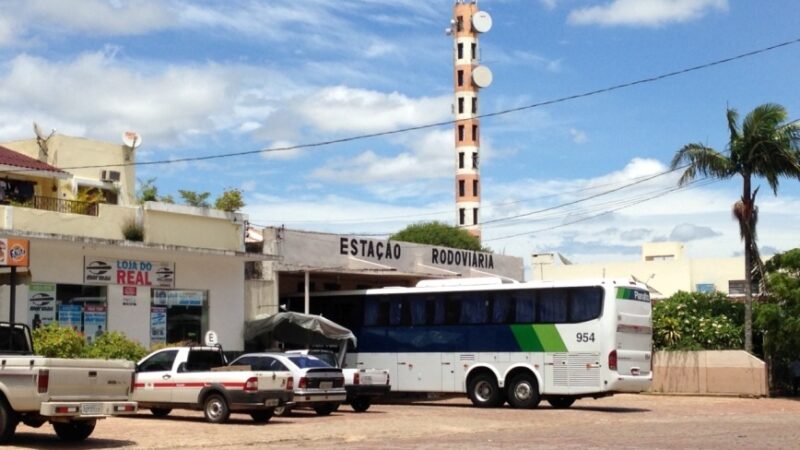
{"x":482,"y":76}
{"x":131,"y":139}
{"x":481,"y":21}
{"x":38,"y":131}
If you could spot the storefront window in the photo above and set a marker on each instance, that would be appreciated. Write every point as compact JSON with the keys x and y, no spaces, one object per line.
{"x":83,"y":308}
{"x":178,"y":315}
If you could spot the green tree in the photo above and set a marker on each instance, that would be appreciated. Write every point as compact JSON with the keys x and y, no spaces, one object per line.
{"x":148,"y":192}
{"x":231,"y":200}
{"x":763,"y":146}
{"x":697,"y":321}
{"x":192,"y":198}
{"x":438,"y":233}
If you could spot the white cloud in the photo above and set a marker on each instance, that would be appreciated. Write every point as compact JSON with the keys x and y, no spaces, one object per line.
{"x":578,"y":136}
{"x":650,"y":13}
{"x":279,"y":153}
{"x":549,"y":4}
{"x":686,"y":232}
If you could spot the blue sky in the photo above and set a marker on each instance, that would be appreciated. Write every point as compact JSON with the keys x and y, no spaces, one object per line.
{"x":205,"y":77}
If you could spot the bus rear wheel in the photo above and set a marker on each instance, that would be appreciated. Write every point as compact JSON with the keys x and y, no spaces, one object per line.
{"x":561,"y":402}
{"x":484,"y":392}
{"x":523,"y":391}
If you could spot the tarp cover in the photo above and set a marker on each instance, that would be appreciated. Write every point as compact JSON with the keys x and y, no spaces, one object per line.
{"x":298,"y":329}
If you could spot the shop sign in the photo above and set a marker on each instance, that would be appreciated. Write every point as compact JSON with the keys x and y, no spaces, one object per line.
{"x":14,"y":252}
{"x":462,"y":258}
{"x":129,"y":295}
{"x":165,"y":297}
{"x":94,"y":321}
{"x":41,"y":304}
{"x":370,"y":248}
{"x":158,"y":325}
{"x":129,"y":272}
{"x":70,"y":316}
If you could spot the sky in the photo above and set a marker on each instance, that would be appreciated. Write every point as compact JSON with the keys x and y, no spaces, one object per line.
{"x":197,"y":78}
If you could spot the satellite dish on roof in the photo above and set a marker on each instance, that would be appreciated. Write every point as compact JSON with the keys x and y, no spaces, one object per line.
{"x":482,"y":76}
{"x":42,"y":139}
{"x":38,"y":131}
{"x":131,"y":139}
{"x":481,"y":21}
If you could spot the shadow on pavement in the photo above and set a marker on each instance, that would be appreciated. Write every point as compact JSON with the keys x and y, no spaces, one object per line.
{"x":542,"y":407}
{"x":38,"y":440}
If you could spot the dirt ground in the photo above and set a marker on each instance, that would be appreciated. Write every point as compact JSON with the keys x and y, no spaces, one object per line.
{"x":620,"y":422}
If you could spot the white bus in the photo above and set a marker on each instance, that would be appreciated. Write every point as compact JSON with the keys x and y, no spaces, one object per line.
{"x":496,"y":342}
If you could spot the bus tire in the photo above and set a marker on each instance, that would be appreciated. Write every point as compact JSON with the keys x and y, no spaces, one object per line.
{"x":523,"y":391}
{"x":484,"y":391}
{"x":561,"y":402}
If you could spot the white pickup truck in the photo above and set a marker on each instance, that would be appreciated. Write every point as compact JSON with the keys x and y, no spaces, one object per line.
{"x":71,"y":394}
{"x":362,"y":385}
{"x":197,"y":378}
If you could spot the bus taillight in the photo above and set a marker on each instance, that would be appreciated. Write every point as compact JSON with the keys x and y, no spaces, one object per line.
{"x":612,"y":360}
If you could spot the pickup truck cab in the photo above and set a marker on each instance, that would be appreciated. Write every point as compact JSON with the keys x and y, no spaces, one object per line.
{"x":71,"y":394}
{"x":197,"y":378}
{"x":317,"y":384}
{"x":363,"y":386}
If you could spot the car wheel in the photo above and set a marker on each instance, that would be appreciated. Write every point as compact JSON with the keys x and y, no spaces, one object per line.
{"x":282,"y":411}
{"x":326,"y":409}
{"x":216,"y":409}
{"x":262,"y":415}
{"x":160,"y":412}
{"x":8,"y":422}
{"x":74,"y":431}
{"x":361,"y":404}
{"x":561,"y":402}
{"x":484,"y":392}
{"x":523,"y":391}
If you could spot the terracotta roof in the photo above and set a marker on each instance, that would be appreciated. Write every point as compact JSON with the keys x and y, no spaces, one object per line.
{"x":9,"y":157}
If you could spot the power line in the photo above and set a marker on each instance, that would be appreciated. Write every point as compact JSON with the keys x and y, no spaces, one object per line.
{"x":450,"y":122}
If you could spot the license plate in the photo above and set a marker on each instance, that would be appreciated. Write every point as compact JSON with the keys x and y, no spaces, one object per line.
{"x":271,"y":402}
{"x":366,"y":379}
{"x":325,"y":384}
{"x":91,"y":408}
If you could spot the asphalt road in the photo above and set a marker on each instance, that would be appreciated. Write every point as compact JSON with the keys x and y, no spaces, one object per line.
{"x":620,"y":422}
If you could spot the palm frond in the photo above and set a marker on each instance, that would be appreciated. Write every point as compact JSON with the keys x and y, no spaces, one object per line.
{"x":700,"y":159}
{"x":733,"y":124}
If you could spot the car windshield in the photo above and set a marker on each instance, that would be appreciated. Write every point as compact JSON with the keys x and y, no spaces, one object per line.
{"x":327,"y":357}
{"x":307,"y":362}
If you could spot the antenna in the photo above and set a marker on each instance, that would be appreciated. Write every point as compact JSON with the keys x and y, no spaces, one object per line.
{"x":41,"y":139}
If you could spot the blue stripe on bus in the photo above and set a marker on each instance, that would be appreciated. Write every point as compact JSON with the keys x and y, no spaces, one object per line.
{"x":451,"y":338}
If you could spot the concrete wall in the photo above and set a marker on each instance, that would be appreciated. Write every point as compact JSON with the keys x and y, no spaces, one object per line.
{"x":720,"y":372}
{"x":106,"y":225}
{"x":193,"y":227}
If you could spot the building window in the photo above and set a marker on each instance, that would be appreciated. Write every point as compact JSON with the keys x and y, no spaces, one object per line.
{"x":460,"y":77}
{"x":460,"y":23}
{"x":474,"y":132}
{"x":474,"y":160}
{"x":461,"y":216}
{"x":474,"y":105}
{"x":460,"y":50}
{"x":474,"y":52}
{"x":705,"y":288}
{"x":461,"y":188}
{"x":461,"y":105}
{"x":461,"y":132}
{"x":460,"y":160}
{"x":475,"y":188}
{"x":475,"y":216}
{"x":178,"y":315}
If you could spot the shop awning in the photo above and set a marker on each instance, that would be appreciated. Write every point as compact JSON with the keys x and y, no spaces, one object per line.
{"x":18,"y":164}
{"x":298,"y":329}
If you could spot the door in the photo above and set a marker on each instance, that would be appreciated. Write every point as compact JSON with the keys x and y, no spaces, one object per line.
{"x":419,"y":372}
{"x":154,"y":377}
{"x":448,"y":372}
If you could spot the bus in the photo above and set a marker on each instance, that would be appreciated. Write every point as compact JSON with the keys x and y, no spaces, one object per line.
{"x":501,"y":342}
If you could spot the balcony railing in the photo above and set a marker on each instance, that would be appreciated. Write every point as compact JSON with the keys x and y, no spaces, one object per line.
{"x":63,"y":206}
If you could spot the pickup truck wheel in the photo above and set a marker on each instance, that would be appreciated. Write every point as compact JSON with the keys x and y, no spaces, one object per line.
{"x":74,"y":431}
{"x":282,"y":411}
{"x":160,"y":412}
{"x":361,"y":404}
{"x":8,"y":422}
{"x":262,"y":416}
{"x":326,"y":409}
{"x":216,"y":409}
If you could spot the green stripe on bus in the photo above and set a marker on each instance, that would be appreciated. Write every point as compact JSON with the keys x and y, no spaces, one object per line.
{"x":538,"y":338}
{"x":623,"y":293}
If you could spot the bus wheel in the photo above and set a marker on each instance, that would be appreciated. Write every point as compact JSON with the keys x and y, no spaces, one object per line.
{"x":523,"y":391}
{"x":484,"y":392}
{"x":561,"y":402}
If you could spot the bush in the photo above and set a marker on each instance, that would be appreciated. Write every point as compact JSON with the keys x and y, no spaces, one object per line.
{"x":115,"y":345}
{"x":133,"y":231}
{"x":697,"y":321}
{"x":58,"y":342}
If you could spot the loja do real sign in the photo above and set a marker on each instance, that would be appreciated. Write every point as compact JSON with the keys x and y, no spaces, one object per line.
{"x":128,"y":272}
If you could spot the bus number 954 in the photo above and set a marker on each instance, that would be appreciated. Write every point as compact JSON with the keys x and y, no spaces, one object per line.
{"x":585,"y":337}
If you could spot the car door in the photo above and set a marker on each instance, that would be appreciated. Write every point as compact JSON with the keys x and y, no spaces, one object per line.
{"x":153,"y":377}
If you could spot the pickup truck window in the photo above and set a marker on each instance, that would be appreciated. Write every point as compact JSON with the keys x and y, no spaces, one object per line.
{"x":14,"y":340}
{"x":203,"y":360}
{"x":159,"y":362}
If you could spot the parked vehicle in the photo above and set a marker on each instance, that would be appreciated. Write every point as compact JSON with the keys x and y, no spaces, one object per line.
{"x":317,"y":385}
{"x":71,"y":394}
{"x":198,"y":378}
{"x":363,"y":386}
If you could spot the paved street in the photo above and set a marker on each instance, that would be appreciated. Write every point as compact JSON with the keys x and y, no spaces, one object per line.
{"x":624,"y":421}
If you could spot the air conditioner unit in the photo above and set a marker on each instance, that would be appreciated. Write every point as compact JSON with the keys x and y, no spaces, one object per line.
{"x":109,"y":175}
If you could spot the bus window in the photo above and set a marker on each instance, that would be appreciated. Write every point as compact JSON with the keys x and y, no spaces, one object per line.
{"x":502,"y":308}
{"x":553,"y":306}
{"x":526,"y":306}
{"x":585,"y":304}
{"x":419,"y":311}
{"x":474,"y":308}
{"x":376,"y":312}
{"x":396,"y":313}
{"x":452,"y":310}
{"x":438,"y":316}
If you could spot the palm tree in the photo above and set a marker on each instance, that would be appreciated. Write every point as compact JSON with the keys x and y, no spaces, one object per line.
{"x":764,"y":146}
